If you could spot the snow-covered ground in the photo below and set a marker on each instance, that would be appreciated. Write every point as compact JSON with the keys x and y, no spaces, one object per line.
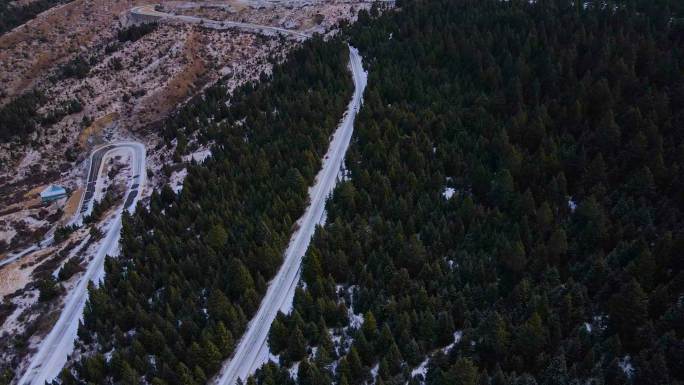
{"x":458,"y":334}
{"x":198,"y":156}
{"x":252,"y":350}
{"x":423,"y":367}
{"x":176,"y":180}
{"x":626,"y":366}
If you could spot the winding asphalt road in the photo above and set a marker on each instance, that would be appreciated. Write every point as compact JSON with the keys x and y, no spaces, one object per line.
{"x":95,"y":170}
{"x":85,"y":205}
{"x":52,"y":353}
{"x":252,"y":350}
{"x":148,"y":10}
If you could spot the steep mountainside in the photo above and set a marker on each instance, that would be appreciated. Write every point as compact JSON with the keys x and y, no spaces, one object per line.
{"x":14,"y":13}
{"x":511,"y":211}
{"x":194,"y":266}
{"x":514,"y":208}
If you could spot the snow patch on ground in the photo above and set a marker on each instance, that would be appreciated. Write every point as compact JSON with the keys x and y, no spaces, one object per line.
{"x":23,"y":302}
{"x":626,"y":366}
{"x":457,"y":338}
{"x":572,"y":205}
{"x":421,"y":369}
{"x":34,"y":223}
{"x":452,"y":264}
{"x":294,"y":370}
{"x":198,"y":156}
{"x":344,"y":174}
{"x":336,"y":339}
{"x":108,"y":355}
{"x":32,"y":157}
{"x":73,"y":253}
{"x":7,"y":234}
{"x":448,"y":192}
{"x":176,"y":180}
{"x":355,"y":320}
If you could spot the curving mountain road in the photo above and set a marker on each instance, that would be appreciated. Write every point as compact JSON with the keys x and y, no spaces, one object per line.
{"x":95,"y":170}
{"x":85,"y":205}
{"x":149,"y":11}
{"x":252,"y":350}
{"x":52,"y":353}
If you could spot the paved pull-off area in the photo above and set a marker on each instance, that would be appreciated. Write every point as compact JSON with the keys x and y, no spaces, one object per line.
{"x":252,"y":350}
{"x":52,"y":354}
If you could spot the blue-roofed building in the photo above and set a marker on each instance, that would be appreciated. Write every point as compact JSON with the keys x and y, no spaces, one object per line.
{"x":52,"y":193}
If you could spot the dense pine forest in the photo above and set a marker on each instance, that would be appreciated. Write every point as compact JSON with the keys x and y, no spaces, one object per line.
{"x":514,"y":208}
{"x":19,"y":117}
{"x":194,"y":266}
{"x":512,"y":212}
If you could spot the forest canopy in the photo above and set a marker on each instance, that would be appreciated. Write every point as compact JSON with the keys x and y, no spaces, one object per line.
{"x":513,"y":213}
{"x":193,"y":266}
{"x":19,"y":117}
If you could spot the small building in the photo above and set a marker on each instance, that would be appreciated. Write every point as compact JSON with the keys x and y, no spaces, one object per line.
{"x":52,"y":193}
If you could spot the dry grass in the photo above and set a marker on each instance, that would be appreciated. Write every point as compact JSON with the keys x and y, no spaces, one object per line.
{"x":32,"y":198}
{"x":34,"y":192}
{"x":71,"y":205}
{"x":17,"y":274}
{"x":96,"y":128}
{"x":238,"y":5}
{"x":180,"y":86}
{"x":13,"y":278}
{"x":23,"y":39}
